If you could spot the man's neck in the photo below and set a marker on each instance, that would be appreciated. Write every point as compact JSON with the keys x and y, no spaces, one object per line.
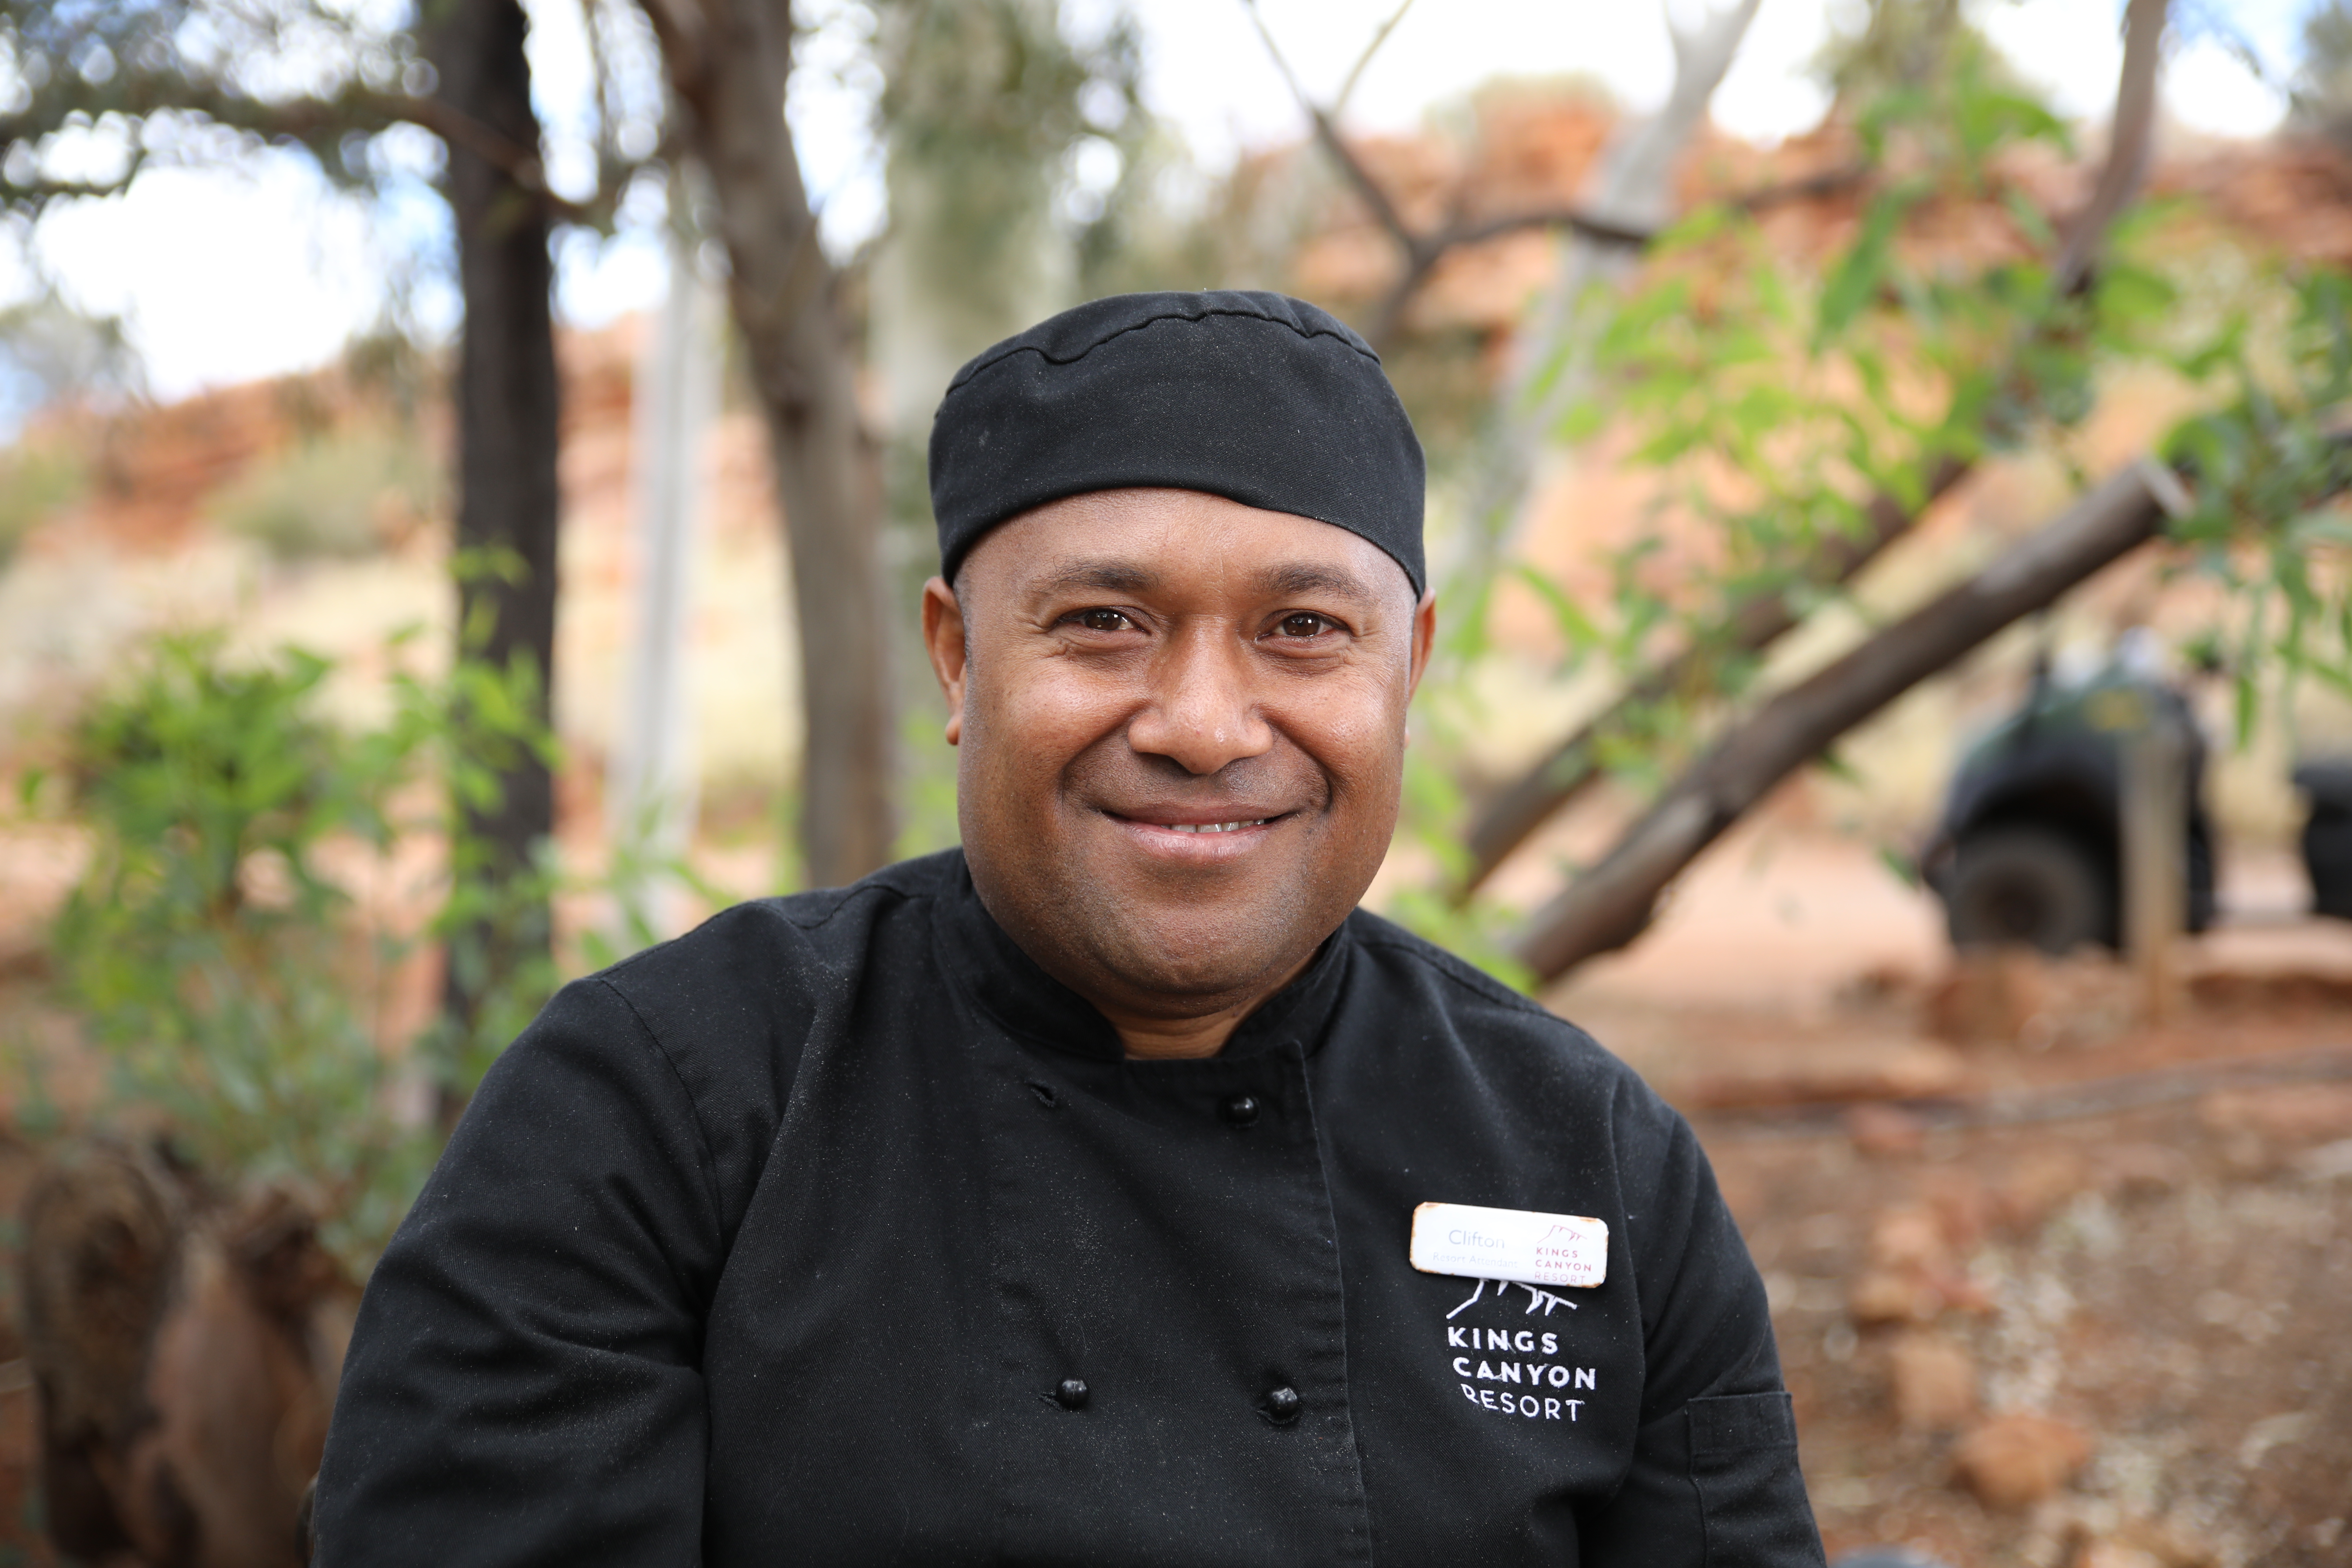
{"x":1162,"y":1037}
{"x":1177,"y":1040}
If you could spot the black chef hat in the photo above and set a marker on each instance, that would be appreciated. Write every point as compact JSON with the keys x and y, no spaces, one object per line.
{"x":1257,"y":398}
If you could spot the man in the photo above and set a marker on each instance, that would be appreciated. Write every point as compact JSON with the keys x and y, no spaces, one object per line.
{"x":1060,"y":1199}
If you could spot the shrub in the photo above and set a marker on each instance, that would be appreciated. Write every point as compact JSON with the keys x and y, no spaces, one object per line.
{"x":344,"y":494}
{"x":234,"y":981}
{"x":36,"y":480}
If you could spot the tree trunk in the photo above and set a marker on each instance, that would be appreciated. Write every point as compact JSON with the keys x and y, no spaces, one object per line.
{"x":728,"y":63}
{"x":506,"y":402}
{"x":1611,"y":904}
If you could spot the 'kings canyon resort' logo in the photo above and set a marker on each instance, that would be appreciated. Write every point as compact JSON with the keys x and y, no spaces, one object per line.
{"x":1517,"y":1371}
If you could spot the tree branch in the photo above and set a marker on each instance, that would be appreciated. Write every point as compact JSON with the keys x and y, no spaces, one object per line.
{"x":1611,"y":903}
{"x":314,"y":123}
{"x":1753,"y":624}
{"x":1356,"y":73}
{"x":1423,"y":251}
{"x":2131,"y":137}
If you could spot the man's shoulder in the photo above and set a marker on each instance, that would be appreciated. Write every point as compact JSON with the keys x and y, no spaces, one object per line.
{"x":1460,"y":989}
{"x":1497,"y":1029}
{"x":759,"y":972}
{"x":762,"y":940}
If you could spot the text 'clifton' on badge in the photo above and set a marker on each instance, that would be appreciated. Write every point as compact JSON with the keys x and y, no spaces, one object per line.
{"x":1510,"y":1244}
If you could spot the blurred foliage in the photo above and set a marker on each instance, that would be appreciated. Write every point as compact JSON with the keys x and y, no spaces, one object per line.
{"x":1892,"y":45}
{"x":102,"y":90}
{"x":993,"y":111}
{"x":52,"y":351}
{"x":495,"y":926}
{"x":99,"y":91}
{"x":343,"y":493}
{"x":1776,"y":405}
{"x":2322,"y":95}
{"x":2270,"y":469}
{"x":215,"y":944}
{"x":1429,"y":821}
{"x":37,"y":478}
{"x":1774,"y":398}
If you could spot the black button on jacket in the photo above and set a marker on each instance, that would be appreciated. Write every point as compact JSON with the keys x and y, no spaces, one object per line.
{"x":837,"y":1232}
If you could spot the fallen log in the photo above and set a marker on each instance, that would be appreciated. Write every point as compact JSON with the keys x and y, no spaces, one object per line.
{"x":1611,"y":903}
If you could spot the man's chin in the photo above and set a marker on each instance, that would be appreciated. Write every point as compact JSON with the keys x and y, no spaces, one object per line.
{"x":1198,"y":956}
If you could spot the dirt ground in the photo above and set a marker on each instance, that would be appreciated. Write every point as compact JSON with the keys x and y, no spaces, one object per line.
{"x":2129,"y":1327}
{"x":2166,"y":1286}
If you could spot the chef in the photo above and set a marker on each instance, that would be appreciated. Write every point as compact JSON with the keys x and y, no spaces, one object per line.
{"x":1110,"y":1190}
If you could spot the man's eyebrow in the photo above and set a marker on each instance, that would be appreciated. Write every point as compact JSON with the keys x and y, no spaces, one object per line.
{"x":1295,"y":580}
{"x":1301,"y":579}
{"x":1104,"y":576}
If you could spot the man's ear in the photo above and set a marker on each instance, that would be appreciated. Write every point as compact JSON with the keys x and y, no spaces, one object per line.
{"x":1424,"y":637}
{"x":943,"y":634}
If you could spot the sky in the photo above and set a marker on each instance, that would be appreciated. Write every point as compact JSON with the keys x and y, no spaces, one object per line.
{"x":223,"y":277}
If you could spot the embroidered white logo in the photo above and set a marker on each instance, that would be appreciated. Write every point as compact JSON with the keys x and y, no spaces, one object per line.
{"x":1536,"y":1298}
{"x":1517,"y":1371}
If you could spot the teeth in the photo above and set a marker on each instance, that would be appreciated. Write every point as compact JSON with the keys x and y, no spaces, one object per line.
{"x":1216,"y":826}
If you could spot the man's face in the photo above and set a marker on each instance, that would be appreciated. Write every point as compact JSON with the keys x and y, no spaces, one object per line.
{"x":1182,"y":727}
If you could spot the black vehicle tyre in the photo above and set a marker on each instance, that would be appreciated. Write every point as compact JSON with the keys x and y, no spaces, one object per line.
{"x":2031,"y":885}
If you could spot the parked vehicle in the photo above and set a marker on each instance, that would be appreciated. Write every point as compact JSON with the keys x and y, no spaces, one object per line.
{"x":2029,"y":846}
{"x":2327,"y":834}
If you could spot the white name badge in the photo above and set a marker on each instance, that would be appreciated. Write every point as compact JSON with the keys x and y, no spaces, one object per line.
{"x":1510,"y":1244}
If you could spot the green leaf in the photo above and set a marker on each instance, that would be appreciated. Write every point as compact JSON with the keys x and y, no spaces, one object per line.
{"x":1576,"y":628}
{"x":1855,"y":279}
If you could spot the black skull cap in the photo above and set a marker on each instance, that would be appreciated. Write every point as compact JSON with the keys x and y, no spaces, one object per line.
{"x":1254,"y":396}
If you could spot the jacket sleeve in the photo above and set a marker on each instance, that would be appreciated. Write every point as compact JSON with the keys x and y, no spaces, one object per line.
{"x":1713,"y":1480}
{"x":523,"y":1385}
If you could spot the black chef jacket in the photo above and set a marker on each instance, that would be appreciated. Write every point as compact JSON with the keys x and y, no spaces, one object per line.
{"x":778,"y":1244}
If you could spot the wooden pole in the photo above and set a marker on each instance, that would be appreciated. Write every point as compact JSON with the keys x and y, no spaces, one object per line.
{"x":2155,"y":857}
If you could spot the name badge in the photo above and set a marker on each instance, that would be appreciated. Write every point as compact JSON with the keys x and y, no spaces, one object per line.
{"x":1510,"y":1244}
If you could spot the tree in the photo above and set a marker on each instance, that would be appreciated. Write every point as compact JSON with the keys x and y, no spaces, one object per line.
{"x":1611,"y":904}
{"x":728,"y":63}
{"x":507,"y":400}
{"x":105,"y":90}
{"x":2010,"y":356}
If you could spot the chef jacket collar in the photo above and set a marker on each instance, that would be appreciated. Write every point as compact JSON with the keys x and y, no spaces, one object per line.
{"x":1004,"y":981}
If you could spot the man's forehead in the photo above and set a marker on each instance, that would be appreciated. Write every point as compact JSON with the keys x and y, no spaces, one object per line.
{"x":1159,"y":541}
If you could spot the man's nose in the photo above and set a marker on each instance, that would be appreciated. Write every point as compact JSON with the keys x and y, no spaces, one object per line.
{"x":1203,"y":711}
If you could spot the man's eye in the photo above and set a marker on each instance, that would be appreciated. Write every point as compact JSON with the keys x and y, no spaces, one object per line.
{"x":1104,"y":621}
{"x":1304,"y":625}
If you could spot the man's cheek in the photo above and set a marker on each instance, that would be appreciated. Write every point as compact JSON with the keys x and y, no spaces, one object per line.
{"x":1055,"y":720}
